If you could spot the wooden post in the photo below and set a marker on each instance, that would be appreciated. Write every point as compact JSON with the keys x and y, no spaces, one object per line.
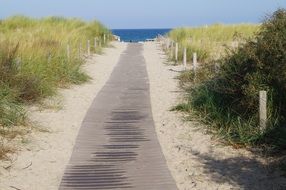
{"x":88,"y":47}
{"x":164,"y":44}
{"x":95,"y":44}
{"x":185,"y":59}
{"x":104,"y":39}
{"x":216,"y":67}
{"x":262,"y":110}
{"x":195,"y":63}
{"x":18,"y":62}
{"x":176,"y":52}
{"x":49,"y":57}
{"x":68,"y":51}
{"x":79,"y":50}
{"x":168,"y":44}
{"x":234,"y":44}
{"x":171,"y":50}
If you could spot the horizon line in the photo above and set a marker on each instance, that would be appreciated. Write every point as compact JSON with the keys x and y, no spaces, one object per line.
{"x":194,"y":26}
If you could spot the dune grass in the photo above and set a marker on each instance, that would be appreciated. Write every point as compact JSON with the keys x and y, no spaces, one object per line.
{"x":210,"y":41}
{"x":228,"y":100}
{"x":34,"y":62}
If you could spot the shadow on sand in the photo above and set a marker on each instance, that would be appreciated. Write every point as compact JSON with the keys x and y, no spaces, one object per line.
{"x":247,"y":173}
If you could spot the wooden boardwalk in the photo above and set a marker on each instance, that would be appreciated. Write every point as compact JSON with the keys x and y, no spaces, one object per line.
{"x":117,"y":146}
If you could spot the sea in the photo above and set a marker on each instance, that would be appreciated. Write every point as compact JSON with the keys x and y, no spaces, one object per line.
{"x":138,"y":35}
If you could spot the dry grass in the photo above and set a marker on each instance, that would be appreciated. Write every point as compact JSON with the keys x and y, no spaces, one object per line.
{"x":34,"y":64}
{"x":210,"y":42}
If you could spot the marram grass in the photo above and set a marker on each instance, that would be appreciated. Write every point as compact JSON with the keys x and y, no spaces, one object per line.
{"x":228,"y":100}
{"x":210,"y":41}
{"x":34,"y":62}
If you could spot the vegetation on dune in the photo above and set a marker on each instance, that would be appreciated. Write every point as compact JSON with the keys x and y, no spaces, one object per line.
{"x":210,"y":41}
{"x":34,"y":61}
{"x":228,"y":99}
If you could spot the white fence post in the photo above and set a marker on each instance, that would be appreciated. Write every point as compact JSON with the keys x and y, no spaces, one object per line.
{"x":68,"y":51}
{"x":19,"y":62}
{"x":262,"y":110}
{"x":165,"y":44}
{"x":176,"y":52}
{"x":95,"y":44}
{"x":168,"y":43}
{"x":88,"y":47}
{"x":79,"y":50}
{"x":49,"y":57}
{"x":217,"y":67}
{"x":195,"y":63}
{"x":185,"y":58}
{"x":171,"y":51}
{"x":104,"y":39}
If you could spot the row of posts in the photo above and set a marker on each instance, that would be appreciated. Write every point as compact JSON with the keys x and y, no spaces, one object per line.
{"x":262,"y":94}
{"x":88,"y":47}
{"x":68,"y":50}
{"x":195,"y":62}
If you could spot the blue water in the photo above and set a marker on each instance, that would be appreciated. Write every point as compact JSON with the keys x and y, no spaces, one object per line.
{"x":136,"y":35}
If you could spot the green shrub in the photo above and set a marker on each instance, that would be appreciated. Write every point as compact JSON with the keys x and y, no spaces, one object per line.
{"x":229,"y":100}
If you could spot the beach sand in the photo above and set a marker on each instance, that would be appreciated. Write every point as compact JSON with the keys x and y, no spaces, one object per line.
{"x":42,"y":158}
{"x":195,"y":160}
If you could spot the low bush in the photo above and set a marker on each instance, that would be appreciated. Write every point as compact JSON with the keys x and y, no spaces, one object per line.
{"x":229,"y":99}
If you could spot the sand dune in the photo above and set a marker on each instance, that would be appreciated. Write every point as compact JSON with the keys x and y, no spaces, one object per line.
{"x":195,"y":160}
{"x":45,"y":155}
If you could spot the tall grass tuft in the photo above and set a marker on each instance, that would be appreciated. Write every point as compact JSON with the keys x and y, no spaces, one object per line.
{"x":210,"y":41}
{"x":228,"y":100}
{"x":34,"y":62}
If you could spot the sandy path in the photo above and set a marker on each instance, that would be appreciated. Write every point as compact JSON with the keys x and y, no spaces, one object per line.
{"x":195,"y":160}
{"x":117,"y":146}
{"x":45,"y":155}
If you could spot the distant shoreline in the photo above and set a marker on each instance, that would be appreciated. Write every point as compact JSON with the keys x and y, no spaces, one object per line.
{"x":139,"y":35}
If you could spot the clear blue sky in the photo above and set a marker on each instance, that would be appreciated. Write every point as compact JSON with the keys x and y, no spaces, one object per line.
{"x":146,"y":13}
